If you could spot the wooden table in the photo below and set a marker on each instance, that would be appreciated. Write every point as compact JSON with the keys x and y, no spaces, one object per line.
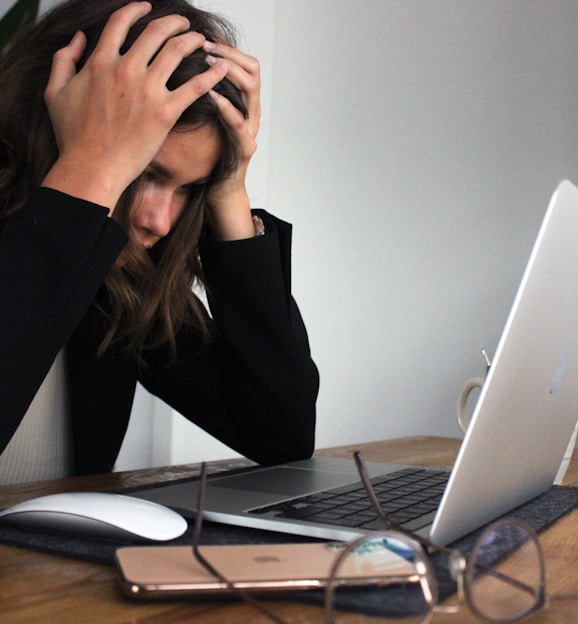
{"x":49,"y":589}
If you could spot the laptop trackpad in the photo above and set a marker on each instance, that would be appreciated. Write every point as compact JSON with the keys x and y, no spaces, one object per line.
{"x":282,"y":480}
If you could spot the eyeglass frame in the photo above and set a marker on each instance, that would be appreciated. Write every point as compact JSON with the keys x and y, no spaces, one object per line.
{"x":458,"y":564}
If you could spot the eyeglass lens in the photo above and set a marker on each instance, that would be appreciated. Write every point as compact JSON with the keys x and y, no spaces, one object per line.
{"x":387,"y":578}
{"x":506,"y":588}
{"x":379,"y":579}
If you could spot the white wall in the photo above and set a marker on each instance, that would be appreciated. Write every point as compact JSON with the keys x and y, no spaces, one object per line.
{"x":414,"y":146}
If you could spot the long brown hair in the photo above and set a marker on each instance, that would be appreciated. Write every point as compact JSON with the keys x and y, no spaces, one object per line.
{"x":150,"y":295}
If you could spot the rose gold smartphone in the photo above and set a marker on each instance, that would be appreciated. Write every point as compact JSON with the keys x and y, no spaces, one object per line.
{"x":157,"y":571}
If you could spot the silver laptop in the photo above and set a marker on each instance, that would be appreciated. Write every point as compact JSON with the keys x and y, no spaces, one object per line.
{"x":512,"y":450}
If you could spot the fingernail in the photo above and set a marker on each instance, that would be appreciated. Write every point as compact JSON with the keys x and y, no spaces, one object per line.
{"x":209,"y":45}
{"x":217,"y":62}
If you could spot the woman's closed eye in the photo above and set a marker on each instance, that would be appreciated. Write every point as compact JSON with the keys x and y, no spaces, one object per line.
{"x":186,"y":190}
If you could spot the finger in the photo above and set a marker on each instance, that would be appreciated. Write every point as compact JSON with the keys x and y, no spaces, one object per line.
{"x":230,"y":113}
{"x":173,"y":52}
{"x":155,"y":36}
{"x":233,"y":117}
{"x":198,"y":85}
{"x":64,"y":63}
{"x":249,"y":85}
{"x":244,"y":73}
{"x":248,"y":63}
{"x":245,"y":130}
{"x":247,"y":82}
{"x":117,"y":26}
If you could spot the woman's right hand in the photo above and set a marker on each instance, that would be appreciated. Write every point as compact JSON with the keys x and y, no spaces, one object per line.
{"x":112,"y":117}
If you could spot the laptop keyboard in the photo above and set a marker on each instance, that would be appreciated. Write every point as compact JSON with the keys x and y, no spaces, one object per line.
{"x":409,"y":497}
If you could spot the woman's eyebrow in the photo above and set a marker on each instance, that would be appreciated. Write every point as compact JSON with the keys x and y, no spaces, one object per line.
{"x":164,"y":172}
{"x":198,"y":182}
{"x":160,"y":170}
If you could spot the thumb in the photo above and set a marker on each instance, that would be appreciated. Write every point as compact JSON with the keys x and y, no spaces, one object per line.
{"x":64,"y":63}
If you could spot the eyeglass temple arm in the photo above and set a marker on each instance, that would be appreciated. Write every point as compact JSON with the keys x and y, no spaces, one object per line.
{"x":198,"y":526}
{"x":248,"y":598}
{"x":362,"y":470}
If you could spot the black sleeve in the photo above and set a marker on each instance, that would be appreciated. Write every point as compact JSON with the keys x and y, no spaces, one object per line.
{"x":54,"y":254}
{"x":254,"y":386}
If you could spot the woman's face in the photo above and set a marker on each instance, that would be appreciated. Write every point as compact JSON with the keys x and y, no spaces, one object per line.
{"x":185,"y":160}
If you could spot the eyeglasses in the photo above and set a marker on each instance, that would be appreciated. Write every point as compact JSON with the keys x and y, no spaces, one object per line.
{"x":502,"y":580}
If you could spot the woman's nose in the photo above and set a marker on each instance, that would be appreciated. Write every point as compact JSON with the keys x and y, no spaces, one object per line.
{"x":155,"y":215}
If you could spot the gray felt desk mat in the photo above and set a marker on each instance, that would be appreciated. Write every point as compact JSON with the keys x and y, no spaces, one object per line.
{"x":539,"y":513}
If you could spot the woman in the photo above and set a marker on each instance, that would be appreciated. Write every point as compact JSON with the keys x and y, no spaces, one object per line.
{"x":126,"y":130}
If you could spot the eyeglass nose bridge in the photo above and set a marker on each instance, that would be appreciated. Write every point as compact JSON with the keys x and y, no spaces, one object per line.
{"x":457,"y":566}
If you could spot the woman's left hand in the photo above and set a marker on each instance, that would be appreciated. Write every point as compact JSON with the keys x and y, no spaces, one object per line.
{"x":229,"y":200}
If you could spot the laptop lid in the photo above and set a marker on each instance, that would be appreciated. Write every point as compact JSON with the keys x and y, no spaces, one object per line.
{"x":518,"y":433}
{"x":528,"y":406}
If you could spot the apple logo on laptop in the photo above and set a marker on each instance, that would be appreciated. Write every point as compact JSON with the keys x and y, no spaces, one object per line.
{"x":266,"y":559}
{"x":559,"y":374}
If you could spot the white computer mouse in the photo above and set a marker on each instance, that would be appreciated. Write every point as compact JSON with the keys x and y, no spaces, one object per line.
{"x":97,"y":514}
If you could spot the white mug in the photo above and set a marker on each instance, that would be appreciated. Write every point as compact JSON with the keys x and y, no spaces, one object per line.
{"x":462,"y":412}
{"x":471,"y":384}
